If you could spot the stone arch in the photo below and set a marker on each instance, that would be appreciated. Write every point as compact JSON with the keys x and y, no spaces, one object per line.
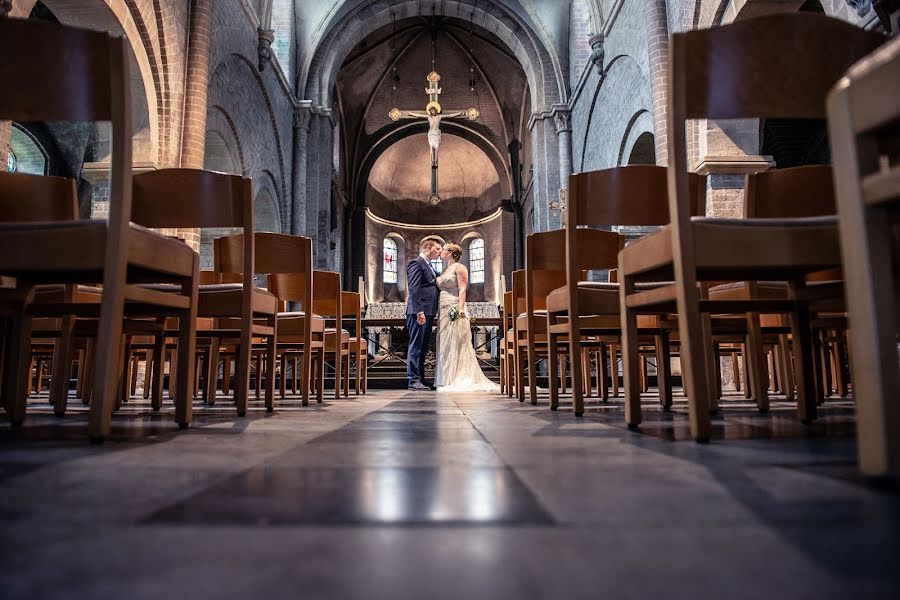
{"x":146,"y":87}
{"x":469,"y":134}
{"x":349,"y":22}
{"x":721,"y":12}
{"x":640,"y":125}
{"x":221,"y":93}
{"x":223,"y":150}
{"x":629,"y":72}
{"x":266,"y":213}
{"x":643,"y":151}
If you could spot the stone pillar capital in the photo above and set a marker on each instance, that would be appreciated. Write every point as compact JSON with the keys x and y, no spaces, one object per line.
{"x":302,"y":115}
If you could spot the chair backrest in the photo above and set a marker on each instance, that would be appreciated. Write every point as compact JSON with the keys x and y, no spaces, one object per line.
{"x":863,"y":116}
{"x":326,"y":299}
{"x":192,"y":198}
{"x":62,"y":73}
{"x":350,"y":308}
{"x":633,"y":195}
{"x":778,"y":66}
{"x":508,"y":315}
{"x":518,"y":291}
{"x":789,"y":193}
{"x":26,"y":198}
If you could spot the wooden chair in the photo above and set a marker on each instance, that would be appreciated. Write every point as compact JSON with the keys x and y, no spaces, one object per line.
{"x":728,"y":73}
{"x":76,"y":75}
{"x":359,"y":351}
{"x":507,"y":347}
{"x":243,"y":311}
{"x":623,"y":196}
{"x":544,"y":272}
{"x":792,"y":193}
{"x":863,"y":112}
{"x":327,"y":301}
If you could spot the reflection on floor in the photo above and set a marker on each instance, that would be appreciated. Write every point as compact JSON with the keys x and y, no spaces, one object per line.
{"x":422,"y":495}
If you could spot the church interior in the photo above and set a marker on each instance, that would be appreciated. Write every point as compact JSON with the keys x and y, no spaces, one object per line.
{"x":677,"y":223}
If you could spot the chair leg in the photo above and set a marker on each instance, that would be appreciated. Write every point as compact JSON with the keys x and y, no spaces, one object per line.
{"x":347,"y":374}
{"x":757,"y":363}
{"x":16,"y":371}
{"x":520,"y":372}
{"x":614,"y":367}
{"x":695,"y":360}
{"x":603,"y":373}
{"x":664,"y":371}
{"x":158,"y":372}
{"x":226,"y":375}
{"x":586,"y":371}
{"x":242,"y":370}
{"x":840,"y":359}
{"x":87,"y":390}
{"x":187,"y":352}
{"x":737,"y":371}
{"x":320,"y":386}
{"x":804,"y":371}
{"x":271,"y":359}
{"x":212,"y":373}
{"x":630,"y":357}
{"x":305,"y":365}
{"x":553,"y":362}
{"x":106,"y":361}
{"x":62,"y":367}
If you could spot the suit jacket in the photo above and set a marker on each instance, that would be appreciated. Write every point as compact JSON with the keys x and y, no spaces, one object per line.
{"x":422,"y":287}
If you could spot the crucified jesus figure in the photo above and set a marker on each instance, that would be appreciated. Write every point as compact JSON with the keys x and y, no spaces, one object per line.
{"x":434,"y":116}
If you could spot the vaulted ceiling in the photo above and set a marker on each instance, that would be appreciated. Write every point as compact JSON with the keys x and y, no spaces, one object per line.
{"x":387,"y":69}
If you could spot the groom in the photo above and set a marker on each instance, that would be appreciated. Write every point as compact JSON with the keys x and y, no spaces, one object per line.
{"x":421,"y":307}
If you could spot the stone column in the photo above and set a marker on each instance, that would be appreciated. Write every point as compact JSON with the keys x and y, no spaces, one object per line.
{"x":193,"y":140}
{"x":318,"y":177}
{"x":563,"y":121}
{"x":302,"y":116}
{"x":545,"y":158}
{"x":658,"y":48}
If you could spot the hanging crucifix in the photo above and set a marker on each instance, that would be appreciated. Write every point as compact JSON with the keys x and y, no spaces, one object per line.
{"x":433,"y":113}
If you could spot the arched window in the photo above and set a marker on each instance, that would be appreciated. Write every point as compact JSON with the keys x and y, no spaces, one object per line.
{"x":437,"y":265}
{"x":25,"y":154}
{"x":390,"y":261}
{"x":476,"y":261}
{"x":283,"y":24}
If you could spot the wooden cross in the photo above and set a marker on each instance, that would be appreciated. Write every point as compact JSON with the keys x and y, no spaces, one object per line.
{"x":433,"y":113}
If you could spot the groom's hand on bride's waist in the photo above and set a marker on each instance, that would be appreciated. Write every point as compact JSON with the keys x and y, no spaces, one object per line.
{"x":420,"y":318}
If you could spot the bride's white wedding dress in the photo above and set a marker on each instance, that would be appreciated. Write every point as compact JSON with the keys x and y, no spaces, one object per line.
{"x":457,"y":366}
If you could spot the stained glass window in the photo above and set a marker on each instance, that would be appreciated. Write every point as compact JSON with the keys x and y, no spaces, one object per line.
{"x":476,"y":261}
{"x":390,"y":261}
{"x":437,"y":265}
{"x":11,"y":162}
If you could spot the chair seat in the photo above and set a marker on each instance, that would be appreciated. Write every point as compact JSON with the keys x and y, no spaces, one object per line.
{"x":293,"y":324}
{"x":225,"y":300}
{"x":740,"y":248}
{"x":79,"y":247}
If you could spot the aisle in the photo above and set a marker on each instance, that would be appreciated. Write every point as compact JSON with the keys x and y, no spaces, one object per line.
{"x":402,"y":495}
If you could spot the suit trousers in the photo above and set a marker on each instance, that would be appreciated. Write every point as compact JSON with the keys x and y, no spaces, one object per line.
{"x":419,"y":336}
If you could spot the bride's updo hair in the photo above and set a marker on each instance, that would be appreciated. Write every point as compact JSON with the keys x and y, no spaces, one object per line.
{"x":454,"y":250}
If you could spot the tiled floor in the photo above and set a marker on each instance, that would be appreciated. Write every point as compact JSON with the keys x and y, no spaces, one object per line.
{"x":403,"y":495}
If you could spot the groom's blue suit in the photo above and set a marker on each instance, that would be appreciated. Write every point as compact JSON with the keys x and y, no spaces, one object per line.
{"x":423,"y":298}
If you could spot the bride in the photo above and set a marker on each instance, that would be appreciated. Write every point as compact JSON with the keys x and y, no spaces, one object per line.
{"x":457,"y":365}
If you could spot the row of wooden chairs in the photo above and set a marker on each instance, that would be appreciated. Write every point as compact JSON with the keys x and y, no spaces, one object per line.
{"x":108,"y":281}
{"x":700,"y":284}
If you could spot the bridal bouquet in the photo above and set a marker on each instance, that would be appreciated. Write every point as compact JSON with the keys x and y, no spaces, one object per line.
{"x":456,"y":313}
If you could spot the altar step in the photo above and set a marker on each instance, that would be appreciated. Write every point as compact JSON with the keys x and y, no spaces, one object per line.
{"x":391,"y":374}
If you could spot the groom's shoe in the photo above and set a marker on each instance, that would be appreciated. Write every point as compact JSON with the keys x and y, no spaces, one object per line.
{"x":418,"y":386}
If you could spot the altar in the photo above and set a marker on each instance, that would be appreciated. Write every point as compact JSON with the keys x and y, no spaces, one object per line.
{"x":384,"y":326}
